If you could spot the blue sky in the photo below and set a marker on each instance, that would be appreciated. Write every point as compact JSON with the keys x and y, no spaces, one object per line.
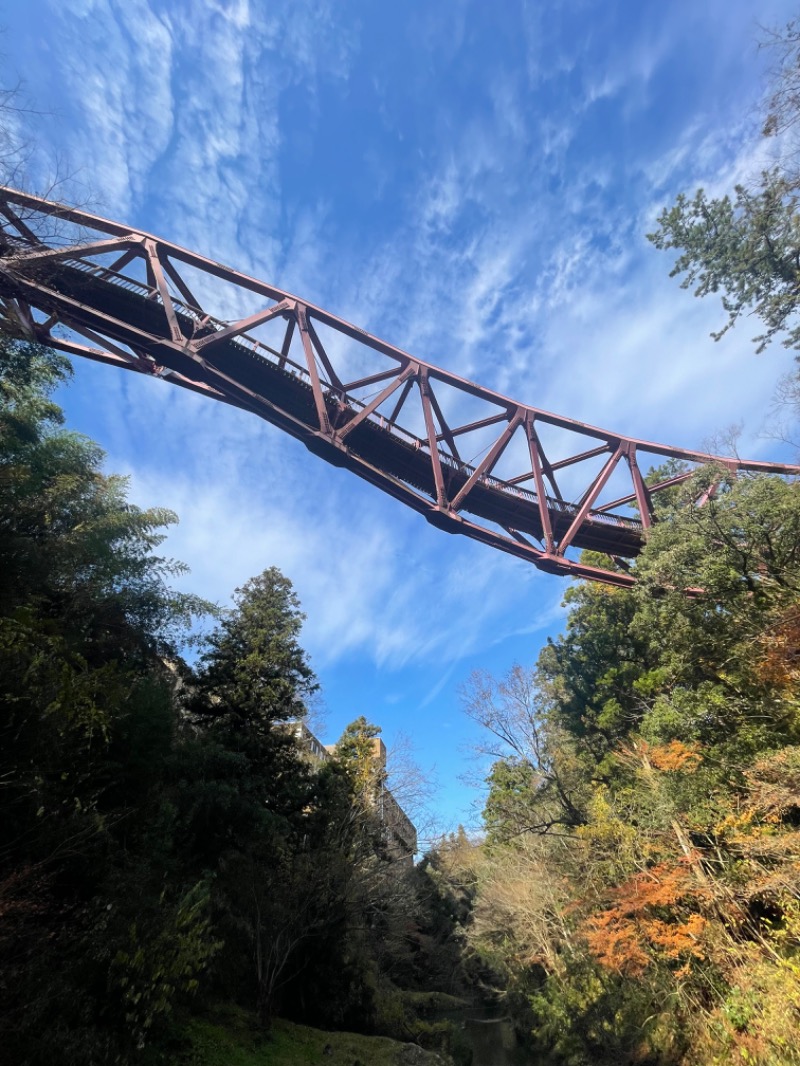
{"x":473,"y":183}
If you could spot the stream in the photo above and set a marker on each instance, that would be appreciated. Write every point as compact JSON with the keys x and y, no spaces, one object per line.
{"x":490,"y":1035}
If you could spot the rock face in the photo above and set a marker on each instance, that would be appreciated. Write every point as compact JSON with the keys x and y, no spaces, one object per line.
{"x":412,"y":1055}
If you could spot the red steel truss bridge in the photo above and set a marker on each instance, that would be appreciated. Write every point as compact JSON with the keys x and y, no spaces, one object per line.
{"x":537,"y":485}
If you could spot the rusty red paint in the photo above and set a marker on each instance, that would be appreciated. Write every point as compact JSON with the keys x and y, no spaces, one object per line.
{"x":155,"y":330}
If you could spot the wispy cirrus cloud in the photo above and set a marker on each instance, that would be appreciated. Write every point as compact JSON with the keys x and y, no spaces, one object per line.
{"x":475,"y":189}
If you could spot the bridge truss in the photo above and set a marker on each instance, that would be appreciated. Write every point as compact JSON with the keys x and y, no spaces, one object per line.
{"x":537,"y":485}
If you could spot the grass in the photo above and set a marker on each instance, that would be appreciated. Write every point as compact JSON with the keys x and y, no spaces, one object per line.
{"x":230,"y":1038}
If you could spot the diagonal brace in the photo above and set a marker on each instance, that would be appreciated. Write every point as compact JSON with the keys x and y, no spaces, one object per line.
{"x":592,"y":494}
{"x":243,"y":325}
{"x":487,"y":463}
{"x":365,"y":412}
{"x":74,"y":251}
{"x":155,"y":268}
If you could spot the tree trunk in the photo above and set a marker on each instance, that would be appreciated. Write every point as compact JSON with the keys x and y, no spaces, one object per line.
{"x":264,"y":1005}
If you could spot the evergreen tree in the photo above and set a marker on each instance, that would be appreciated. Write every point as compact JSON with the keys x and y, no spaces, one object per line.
{"x":745,"y":245}
{"x":251,"y":820}
{"x":86,"y":728}
{"x":358,"y":750}
{"x":254,"y":673}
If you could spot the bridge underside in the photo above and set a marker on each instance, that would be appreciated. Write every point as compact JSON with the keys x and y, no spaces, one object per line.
{"x":536,"y":485}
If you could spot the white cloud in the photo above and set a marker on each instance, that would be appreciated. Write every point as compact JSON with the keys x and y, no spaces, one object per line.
{"x":125,"y":104}
{"x":367,"y":583}
{"x":502,"y":239}
{"x":516,"y":259}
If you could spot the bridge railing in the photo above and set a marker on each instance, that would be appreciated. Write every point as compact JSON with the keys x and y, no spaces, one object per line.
{"x":536,"y":513}
{"x":298,"y":370}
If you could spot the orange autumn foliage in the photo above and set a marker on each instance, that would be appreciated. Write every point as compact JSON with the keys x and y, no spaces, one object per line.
{"x":672,"y":757}
{"x":655,"y":913}
{"x":779,"y":661}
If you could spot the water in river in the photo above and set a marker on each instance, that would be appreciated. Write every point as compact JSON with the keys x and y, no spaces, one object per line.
{"x":494,"y":1043}
{"x":490,"y":1036}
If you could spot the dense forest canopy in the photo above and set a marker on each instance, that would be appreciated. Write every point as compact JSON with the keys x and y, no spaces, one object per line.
{"x":639,"y":880}
{"x":166,"y":841}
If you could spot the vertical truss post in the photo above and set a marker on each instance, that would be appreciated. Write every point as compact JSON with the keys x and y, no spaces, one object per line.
{"x":287,"y":341}
{"x":643,"y":498}
{"x":311,"y":362}
{"x":430,"y":428}
{"x":541,"y":494}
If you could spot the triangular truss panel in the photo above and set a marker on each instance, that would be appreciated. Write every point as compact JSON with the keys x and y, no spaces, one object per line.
{"x":537,"y":485}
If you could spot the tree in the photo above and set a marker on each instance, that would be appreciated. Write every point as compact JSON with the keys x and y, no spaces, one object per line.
{"x":254,"y":674}
{"x":86,"y":728}
{"x":782,"y":111}
{"x":69,"y":539}
{"x":358,"y":750}
{"x":85,"y":609}
{"x":256,"y":819}
{"x":746,"y":246}
{"x":535,"y":782}
{"x":250,"y":685}
{"x":671,"y":723}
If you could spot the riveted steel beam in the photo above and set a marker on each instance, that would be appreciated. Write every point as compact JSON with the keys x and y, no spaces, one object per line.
{"x":53,"y":289}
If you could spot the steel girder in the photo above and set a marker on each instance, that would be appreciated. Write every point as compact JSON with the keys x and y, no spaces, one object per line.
{"x":66,"y":274}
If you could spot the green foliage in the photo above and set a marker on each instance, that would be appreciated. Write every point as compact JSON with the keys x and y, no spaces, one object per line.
{"x":87,"y":725}
{"x":746,"y":247}
{"x":164,"y":836}
{"x":249,"y":820}
{"x":511,"y":782}
{"x":254,"y":673}
{"x":358,"y":751}
{"x":70,"y":543}
{"x":523,"y":720}
{"x":157,"y":963}
{"x":660,"y":925}
{"x":231,"y":1038}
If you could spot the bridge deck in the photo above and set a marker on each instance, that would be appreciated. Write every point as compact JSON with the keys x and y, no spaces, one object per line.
{"x":289,"y":403}
{"x":55,"y":273}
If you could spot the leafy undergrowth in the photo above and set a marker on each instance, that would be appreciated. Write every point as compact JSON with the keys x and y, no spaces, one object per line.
{"x":231,"y":1038}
